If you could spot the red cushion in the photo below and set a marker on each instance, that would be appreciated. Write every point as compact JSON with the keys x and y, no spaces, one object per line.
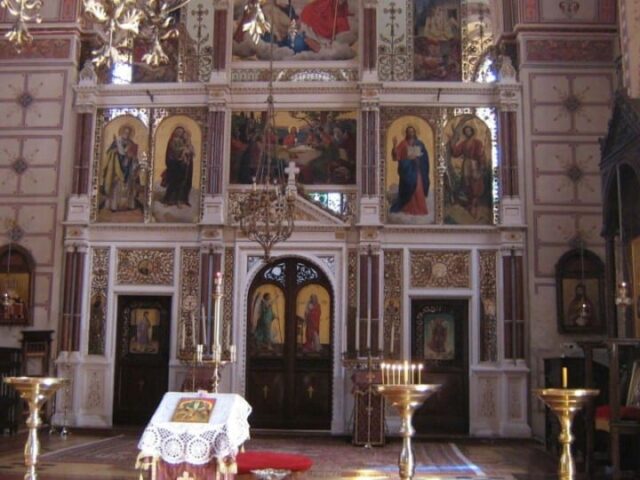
{"x":626,"y":413}
{"x":257,"y":460}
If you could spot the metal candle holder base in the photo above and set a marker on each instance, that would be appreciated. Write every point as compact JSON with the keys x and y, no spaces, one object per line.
{"x":407,"y":398}
{"x":565,"y":403}
{"x":36,"y":391}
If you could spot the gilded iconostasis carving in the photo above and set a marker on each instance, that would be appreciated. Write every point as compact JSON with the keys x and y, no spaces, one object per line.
{"x":148,"y":165}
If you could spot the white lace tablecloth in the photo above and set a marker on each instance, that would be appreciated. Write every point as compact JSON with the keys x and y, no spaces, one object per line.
{"x":197,"y":443}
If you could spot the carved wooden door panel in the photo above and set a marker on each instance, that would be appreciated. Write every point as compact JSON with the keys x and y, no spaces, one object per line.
{"x":289,"y":354}
{"x":142,"y":357}
{"x":440,"y":340}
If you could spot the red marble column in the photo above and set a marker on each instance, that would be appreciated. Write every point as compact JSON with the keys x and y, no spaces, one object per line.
{"x":216,"y":152}
{"x":220,"y":42}
{"x":512,"y":278}
{"x":369,"y":38}
{"x":509,"y":154}
{"x":82,"y":154}
{"x":72,"y":300}
{"x":369,"y":151}
{"x":368,"y":302}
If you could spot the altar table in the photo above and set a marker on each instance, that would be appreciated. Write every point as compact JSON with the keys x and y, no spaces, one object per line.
{"x":202,"y":450}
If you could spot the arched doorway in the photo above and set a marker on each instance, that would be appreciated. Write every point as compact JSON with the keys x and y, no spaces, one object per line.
{"x":289,"y":348}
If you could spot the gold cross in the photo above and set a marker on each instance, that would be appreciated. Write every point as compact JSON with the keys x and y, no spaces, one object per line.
{"x":185,"y":476}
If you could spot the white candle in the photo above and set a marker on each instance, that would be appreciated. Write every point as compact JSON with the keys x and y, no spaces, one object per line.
{"x":184,"y":335}
{"x":393,"y":337}
{"x":217,"y":320}
{"x":420,"y":374}
{"x":369,"y":292}
{"x":406,"y":372}
{"x":203,"y":327}
{"x":193,"y":329}
{"x":413,"y":373}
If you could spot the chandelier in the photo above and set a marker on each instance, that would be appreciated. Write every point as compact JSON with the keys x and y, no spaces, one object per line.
{"x":119,"y":23}
{"x":266,"y":212}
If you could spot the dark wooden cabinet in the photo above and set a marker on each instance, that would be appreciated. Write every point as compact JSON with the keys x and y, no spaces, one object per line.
{"x":36,"y":353}
{"x":10,"y":366}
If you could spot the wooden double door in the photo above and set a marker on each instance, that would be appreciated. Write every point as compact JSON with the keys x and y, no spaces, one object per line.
{"x":142,"y":357}
{"x":289,"y":348}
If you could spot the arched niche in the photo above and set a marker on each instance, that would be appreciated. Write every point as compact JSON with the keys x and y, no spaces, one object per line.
{"x":580,"y":292}
{"x":17,"y":277}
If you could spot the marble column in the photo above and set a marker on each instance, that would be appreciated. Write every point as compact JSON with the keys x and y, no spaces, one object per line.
{"x":513,"y":304}
{"x":82,"y":154}
{"x":72,"y":299}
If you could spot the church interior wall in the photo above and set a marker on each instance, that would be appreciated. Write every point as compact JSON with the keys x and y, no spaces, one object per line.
{"x":561,"y":102}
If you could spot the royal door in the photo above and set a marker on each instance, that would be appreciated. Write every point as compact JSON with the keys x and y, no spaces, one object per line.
{"x":289,"y":350}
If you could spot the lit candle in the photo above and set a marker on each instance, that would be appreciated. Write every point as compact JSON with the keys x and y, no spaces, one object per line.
{"x":565,"y":375}
{"x":413,"y":373}
{"x":420,"y":374}
{"x":382,"y":365}
{"x":406,"y":372}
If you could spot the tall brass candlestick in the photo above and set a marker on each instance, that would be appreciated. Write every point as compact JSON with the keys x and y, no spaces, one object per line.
{"x":565,"y":403}
{"x":400,"y":388}
{"x":36,"y":391}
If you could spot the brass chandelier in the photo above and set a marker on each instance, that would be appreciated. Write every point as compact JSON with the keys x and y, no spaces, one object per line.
{"x":266,"y":212}
{"x":118,"y":22}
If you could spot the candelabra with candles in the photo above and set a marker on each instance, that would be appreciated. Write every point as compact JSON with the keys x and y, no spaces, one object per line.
{"x":215,"y":357}
{"x":565,"y":403}
{"x":402,"y":386}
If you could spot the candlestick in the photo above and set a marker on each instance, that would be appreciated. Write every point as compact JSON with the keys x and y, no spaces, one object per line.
{"x":369,"y":292}
{"x":217,"y":320}
{"x":565,"y":375}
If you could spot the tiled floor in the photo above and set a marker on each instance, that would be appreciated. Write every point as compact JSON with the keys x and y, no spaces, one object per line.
{"x":499,"y":459}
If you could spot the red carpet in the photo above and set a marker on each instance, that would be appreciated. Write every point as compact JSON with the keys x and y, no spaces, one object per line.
{"x":260,"y":459}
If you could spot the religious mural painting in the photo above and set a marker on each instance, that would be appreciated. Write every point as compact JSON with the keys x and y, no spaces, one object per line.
{"x":176,"y":171}
{"x":409,"y":171}
{"x":299,"y":29}
{"x":437,"y":40}
{"x":267,"y":321}
{"x":321,"y":143}
{"x":313,"y":325}
{"x":121,"y":191}
{"x":468,"y":179}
